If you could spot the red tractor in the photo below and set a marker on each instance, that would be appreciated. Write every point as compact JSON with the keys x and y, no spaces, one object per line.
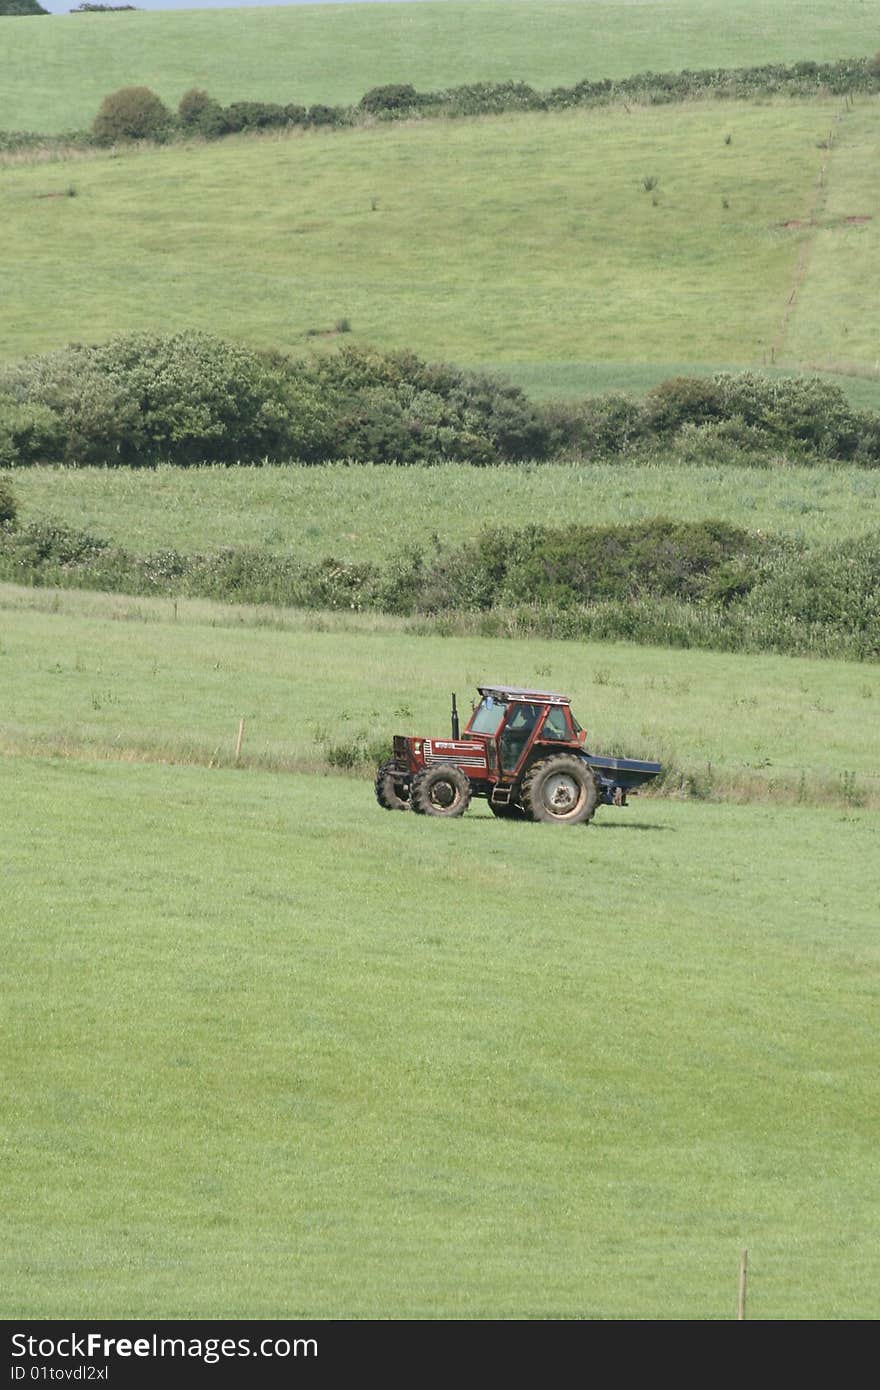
{"x":523,"y":750}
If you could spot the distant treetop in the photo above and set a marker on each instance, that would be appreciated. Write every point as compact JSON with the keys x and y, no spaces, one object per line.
{"x":21,"y":7}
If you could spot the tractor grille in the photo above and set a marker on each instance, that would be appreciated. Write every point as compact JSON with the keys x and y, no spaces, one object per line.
{"x":458,"y":759}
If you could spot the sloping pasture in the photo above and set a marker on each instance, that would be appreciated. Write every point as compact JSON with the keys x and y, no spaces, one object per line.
{"x":664,"y":235}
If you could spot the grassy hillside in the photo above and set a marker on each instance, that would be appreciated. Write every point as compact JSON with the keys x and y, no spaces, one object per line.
{"x":519,"y":238}
{"x":128,"y":678}
{"x":344,"y":511}
{"x":828,"y":322}
{"x":56,"y":74}
{"x":276,"y":1053}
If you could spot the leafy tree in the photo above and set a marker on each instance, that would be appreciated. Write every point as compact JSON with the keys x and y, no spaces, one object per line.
{"x":132,"y":113}
{"x":19,"y":7}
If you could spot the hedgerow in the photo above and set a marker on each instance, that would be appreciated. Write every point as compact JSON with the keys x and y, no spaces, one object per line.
{"x":401,"y":101}
{"x":189,"y":398}
{"x":397,"y":101}
{"x":703,"y":584}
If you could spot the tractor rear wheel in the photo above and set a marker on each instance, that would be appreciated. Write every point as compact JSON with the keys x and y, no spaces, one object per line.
{"x":440,"y":791}
{"x":560,"y":791}
{"x":391,"y":793}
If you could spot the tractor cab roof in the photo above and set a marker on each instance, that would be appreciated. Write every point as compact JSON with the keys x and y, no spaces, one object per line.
{"x":515,"y":692}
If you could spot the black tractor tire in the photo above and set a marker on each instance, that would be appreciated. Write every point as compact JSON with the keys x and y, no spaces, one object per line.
{"x":391,"y":794}
{"x":509,"y":812}
{"x":443,"y":790}
{"x":560,"y":790}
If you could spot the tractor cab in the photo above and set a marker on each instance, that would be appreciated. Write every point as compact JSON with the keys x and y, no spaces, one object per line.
{"x":519,"y":721}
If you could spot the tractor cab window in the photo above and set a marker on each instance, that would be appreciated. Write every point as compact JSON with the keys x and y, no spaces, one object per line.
{"x":517,"y":732}
{"x":487,"y":716}
{"x":555,"y":725}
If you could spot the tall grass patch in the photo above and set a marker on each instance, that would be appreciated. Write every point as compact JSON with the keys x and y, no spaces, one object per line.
{"x":344,"y":511}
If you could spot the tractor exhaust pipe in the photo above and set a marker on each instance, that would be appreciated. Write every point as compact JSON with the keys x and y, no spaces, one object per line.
{"x":455,"y":729}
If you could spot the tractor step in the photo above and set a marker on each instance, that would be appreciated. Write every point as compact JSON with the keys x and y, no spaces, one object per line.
{"x":501,"y":796}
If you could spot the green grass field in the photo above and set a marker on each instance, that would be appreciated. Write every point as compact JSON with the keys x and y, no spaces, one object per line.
{"x":511,"y":239}
{"x":275,"y":1053}
{"x":86,"y":674}
{"x":57,"y":73}
{"x":344,"y":511}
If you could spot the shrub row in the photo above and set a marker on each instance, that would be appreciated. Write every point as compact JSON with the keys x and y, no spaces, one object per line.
{"x":188,"y":398}
{"x":199,"y":113}
{"x":731,"y":417}
{"x":137,"y":113}
{"x":702,"y":584}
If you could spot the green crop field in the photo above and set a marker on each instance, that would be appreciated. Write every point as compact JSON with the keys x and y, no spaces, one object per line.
{"x":520,"y":238}
{"x":275,"y":1053}
{"x":56,"y":74}
{"x":343,"y":511}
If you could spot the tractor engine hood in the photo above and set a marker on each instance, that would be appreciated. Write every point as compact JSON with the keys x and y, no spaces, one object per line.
{"x":467,"y":753}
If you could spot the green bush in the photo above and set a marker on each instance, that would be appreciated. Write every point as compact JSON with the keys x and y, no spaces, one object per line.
{"x":707,"y":561}
{"x":8,"y":503}
{"x":702,"y":562}
{"x":681,"y":401}
{"x":395,"y":407}
{"x":800,"y":412}
{"x":189,"y":397}
{"x":735,"y":418}
{"x":254,"y":115}
{"x":397,"y":96}
{"x":729,"y":442}
{"x":490,"y":98}
{"x":199,"y":113}
{"x":135,"y":113}
{"x":824,"y":591}
{"x":320,"y":115}
{"x":200,"y":398}
{"x":29,"y":433}
{"x":598,"y":426}
{"x":146,"y":398}
{"x":132,"y":113}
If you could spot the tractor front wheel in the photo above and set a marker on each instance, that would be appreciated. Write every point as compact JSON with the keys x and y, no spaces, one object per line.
{"x":391,"y":793}
{"x":440,"y":791}
{"x":560,"y":791}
